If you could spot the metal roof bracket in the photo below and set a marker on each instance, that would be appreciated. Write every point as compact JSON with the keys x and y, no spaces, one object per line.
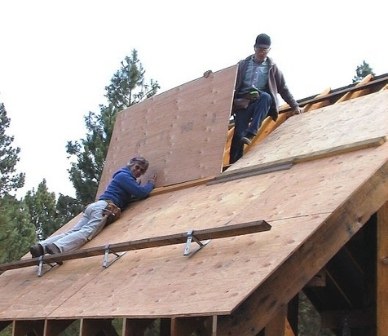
{"x":190,"y":238}
{"x":106,"y":263}
{"x":42,"y":262}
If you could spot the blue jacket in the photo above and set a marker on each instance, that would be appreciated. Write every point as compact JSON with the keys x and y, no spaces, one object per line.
{"x":124,"y":188}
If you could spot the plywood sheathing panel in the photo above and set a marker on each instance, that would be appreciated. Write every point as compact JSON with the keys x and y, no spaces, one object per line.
{"x":182,"y":131}
{"x":304,"y":263}
{"x":161,"y":281}
{"x":340,"y":124}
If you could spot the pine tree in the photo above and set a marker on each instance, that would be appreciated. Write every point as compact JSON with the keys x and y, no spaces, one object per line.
{"x":362,"y":71}
{"x":16,"y":232}
{"x":43,"y":212}
{"x":9,"y":180}
{"x":127,"y":88}
{"x":67,"y":208}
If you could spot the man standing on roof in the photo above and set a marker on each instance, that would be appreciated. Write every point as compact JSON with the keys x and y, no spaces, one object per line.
{"x":123,"y":189}
{"x":258,"y":82}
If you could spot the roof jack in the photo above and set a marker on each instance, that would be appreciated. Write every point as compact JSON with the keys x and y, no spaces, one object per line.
{"x":190,"y":238}
{"x":106,"y":263}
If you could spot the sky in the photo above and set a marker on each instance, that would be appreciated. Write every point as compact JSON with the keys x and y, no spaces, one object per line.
{"x":56,"y":57}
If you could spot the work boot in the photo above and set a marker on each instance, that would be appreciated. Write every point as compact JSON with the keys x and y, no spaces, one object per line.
{"x":247,"y":139}
{"x":52,"y":249}
{"x":36,"y":250}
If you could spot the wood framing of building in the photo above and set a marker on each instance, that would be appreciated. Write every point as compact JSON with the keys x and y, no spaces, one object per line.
{"x":319,"y":180}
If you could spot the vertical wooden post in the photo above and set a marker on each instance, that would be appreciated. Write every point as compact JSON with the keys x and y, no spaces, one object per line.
{"x":277,"y":325}
{"x":382,"y":270}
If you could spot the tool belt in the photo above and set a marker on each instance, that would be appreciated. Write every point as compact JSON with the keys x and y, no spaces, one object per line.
{"x":243,"y":101}
{"x":112,"y":211}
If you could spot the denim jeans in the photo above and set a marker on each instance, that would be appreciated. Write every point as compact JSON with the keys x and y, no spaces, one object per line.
{"x":87,"y":227}
{"x":248,"y":121}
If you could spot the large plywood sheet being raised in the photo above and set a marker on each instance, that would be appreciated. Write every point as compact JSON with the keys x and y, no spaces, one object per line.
{"x":182,"y":131}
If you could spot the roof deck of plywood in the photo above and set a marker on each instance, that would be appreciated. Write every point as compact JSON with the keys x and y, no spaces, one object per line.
{"x":335,"y":179}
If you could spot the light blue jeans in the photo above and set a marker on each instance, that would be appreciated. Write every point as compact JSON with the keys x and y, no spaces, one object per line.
{"x":87,"y":227}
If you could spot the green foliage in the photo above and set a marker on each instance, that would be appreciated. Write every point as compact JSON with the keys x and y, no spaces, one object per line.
{"x":16,"y":231}
{"x":67,"y":208}
{"x":127,"y":88}
{"x":9,"y":157}
{"x":7,"y":331}
{"x":309,"y":319}
{"x":42,"y":208}
{"x":362,"y":71}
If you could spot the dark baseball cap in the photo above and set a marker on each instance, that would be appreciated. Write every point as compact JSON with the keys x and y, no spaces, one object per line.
{"x":262,"y":41}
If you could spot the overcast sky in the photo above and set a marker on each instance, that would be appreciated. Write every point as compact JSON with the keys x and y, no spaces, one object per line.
{"x":57,"y":57}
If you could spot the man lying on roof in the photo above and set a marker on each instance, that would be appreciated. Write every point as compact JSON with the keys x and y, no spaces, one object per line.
{"x":122,"y":189}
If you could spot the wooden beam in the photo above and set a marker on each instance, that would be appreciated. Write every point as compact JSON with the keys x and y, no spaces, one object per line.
{"x":279,"y":288}
{"x":252,"y":171}
{"x":179,"y":238}
{"x":180,"y":186}
{"x":277,"y":325}
{"x":382,"y":270}
{"x":287,"y":163}
{"x":373,"y":85}
{"x":354,"y":94}
{"x":342,"y":149}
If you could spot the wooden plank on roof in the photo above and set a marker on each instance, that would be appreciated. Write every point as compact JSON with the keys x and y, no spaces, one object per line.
{"x":287,"y":163}
{"x":313,"y":106}
{"x":180,"y":238}
{"x":358,"y":93}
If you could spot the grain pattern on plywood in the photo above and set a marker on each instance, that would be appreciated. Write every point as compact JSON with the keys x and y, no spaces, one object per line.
{"x":182,"y":132}
{"x":147,"y":283}
{"x":194,"y":235}
{"x":337,"y":229}
{"x":336,"y":125}
{"x":287,"y":163}
{"x":153,"y":281}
